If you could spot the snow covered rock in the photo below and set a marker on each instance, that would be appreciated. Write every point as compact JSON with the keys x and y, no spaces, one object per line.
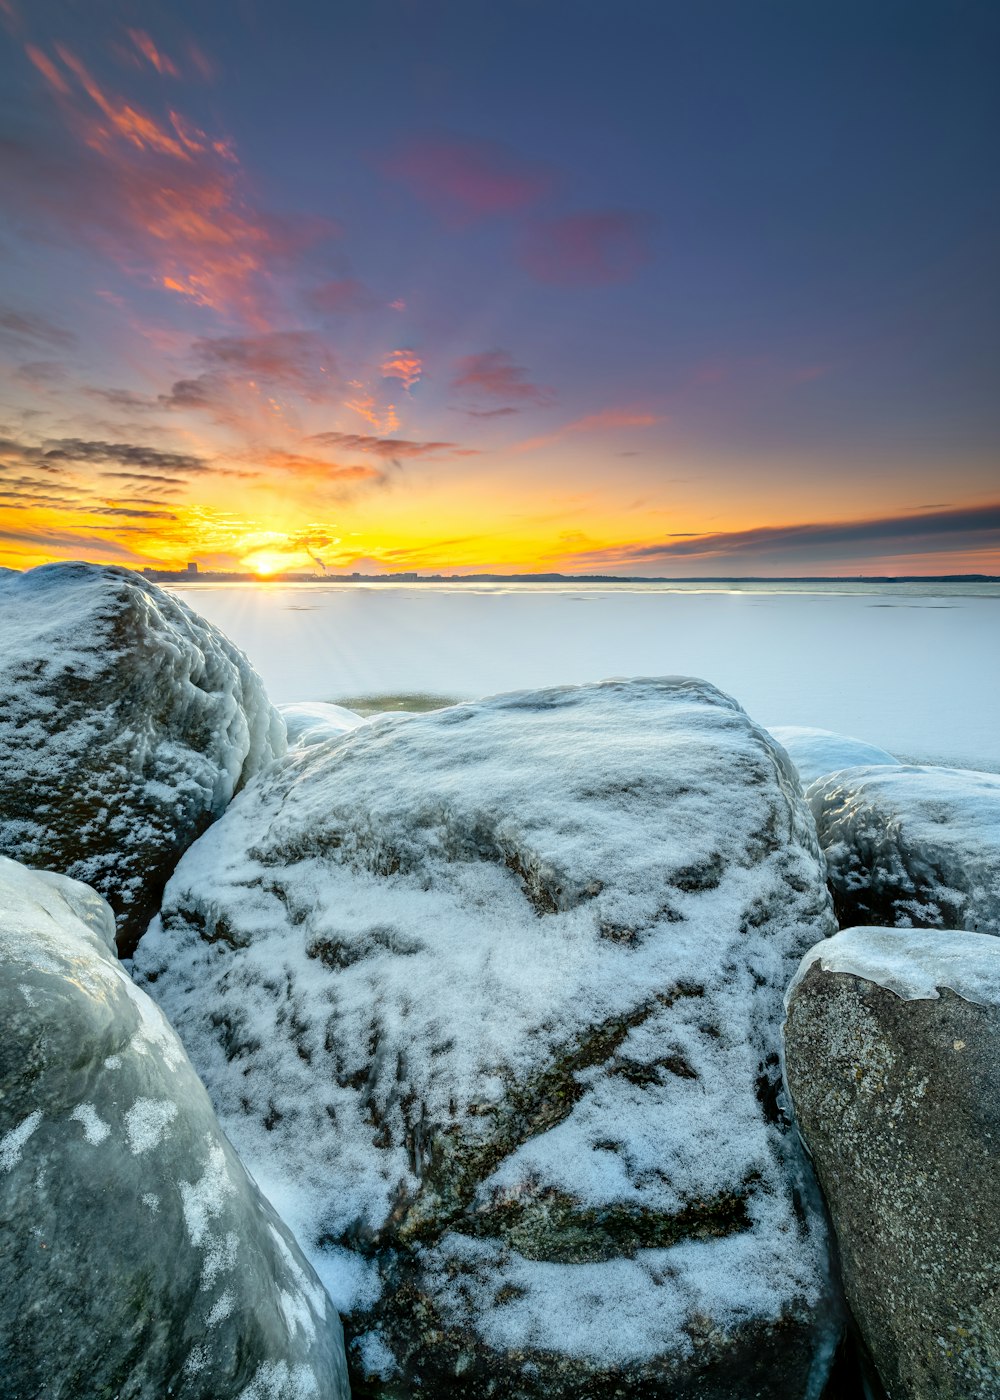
{"x":491,"y":997}
{"x":891,"y":1050}
{"x":817,"y":752}
{"x":127,"y":722}
{"x":312,"y":721}
{"x":909,"y":846}
{"x":136,"y":1256}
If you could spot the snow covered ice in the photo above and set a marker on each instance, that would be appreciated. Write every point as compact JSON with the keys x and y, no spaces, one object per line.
{"x":490,"y":998}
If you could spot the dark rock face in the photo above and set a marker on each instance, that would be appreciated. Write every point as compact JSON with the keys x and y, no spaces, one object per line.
{"x":126,"y":725}
{"x":912,"y":847}
{"x":897,"y":1095}
{"x":137,"y":1258}
{"x":499,"y":988}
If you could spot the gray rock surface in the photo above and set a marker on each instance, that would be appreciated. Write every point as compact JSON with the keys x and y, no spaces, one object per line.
{"x":127,"y":723}
{"x":819,"y":752}
{"x":892,"y":1046}
{"x":491,"y":998}
{"x":137,"y":1258}
{"x":912,"y":846}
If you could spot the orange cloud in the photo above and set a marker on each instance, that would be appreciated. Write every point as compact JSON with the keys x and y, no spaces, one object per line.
{"x":48,"y":70}
{"x":366,"y":406}
{"x":166,"y":200}
{"x":151,"y":53}
{"x":404,"y":365}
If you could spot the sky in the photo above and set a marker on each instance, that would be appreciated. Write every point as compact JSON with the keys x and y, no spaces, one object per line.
{"x":638,"y":287}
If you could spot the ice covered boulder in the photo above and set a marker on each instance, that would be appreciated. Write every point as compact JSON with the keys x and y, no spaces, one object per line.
{"x":136,"y":1256}
{"x":312,"y":721}
{"x":127,"y":722}
{"x":496,"y":993}
{"x":817,"y":752}
{"x":909,"y":846}
{"x":891,"y":1051}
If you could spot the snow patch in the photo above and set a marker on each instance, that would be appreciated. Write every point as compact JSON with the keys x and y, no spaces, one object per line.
{"x":146,"y":1122}
{"x":12,"y":1143}
{"x":95,"y":1130}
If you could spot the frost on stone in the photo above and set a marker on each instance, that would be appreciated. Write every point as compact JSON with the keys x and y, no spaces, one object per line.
{"x":912,"y":846}
{"x":312,"y":722}
{"x":913,"y":963}
{"x":818,"y":752}
{"x":490,"y":997}
{"x":127,"y":723}
{"x":131,"y":1234}
{"x":146,"y":1122}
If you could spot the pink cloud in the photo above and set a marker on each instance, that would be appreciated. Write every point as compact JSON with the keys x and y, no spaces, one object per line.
{"x":467,"y":180}
{"x":607,"y":420}
{"x":345,"y":295}
{"x":494,"y":372}
{"x":587,"y":250}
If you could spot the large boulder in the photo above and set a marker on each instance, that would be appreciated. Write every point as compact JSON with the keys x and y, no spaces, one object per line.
{"x":912,"y":847}
{"x":817,"y":752}
{"x":137,"y":1258}
{"x":127,"y":722}
{"x":498,"y":988}
{"x":891,"y":1051}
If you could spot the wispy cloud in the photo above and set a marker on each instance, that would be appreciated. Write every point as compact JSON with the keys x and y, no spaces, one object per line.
{"x":155,"y":57}
{"x":365,"y":406}
{"x":587,"y":250}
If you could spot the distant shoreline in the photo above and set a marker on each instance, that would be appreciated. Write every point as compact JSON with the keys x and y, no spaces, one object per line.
{"x":206,"y":576}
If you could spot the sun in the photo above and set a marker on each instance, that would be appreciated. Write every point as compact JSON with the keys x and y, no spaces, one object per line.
{"x":265,"y":563}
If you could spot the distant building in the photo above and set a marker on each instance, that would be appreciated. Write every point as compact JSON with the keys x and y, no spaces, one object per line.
{"x":192,"y":568}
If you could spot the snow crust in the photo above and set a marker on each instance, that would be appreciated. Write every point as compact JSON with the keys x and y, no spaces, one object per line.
{"x":312,"y":722}
{"x":817,"y":752}
{"x":393,"y":937}
{"x":910,"y":845}
{"x":913,"y":963}
{"x":127,"y":722}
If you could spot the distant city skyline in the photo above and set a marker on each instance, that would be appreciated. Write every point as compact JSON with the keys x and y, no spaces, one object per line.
{"x":639,"y":289}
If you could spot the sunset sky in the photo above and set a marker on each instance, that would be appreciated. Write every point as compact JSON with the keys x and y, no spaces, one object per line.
{"x":632,"y":287}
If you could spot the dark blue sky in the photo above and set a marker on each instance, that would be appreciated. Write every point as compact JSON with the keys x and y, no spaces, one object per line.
{"x":640,"y":272}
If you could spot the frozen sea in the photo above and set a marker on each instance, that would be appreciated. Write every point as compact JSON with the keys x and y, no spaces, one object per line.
{"x":913,"y":667}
